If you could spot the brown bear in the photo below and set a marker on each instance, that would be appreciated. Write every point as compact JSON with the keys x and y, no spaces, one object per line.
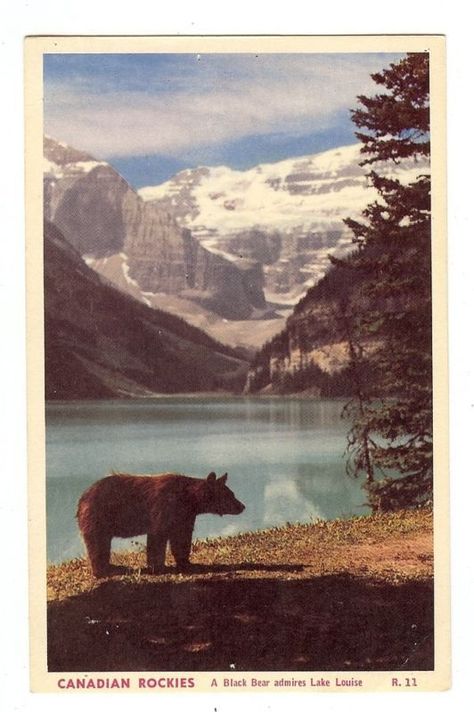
{"x":164,"y":507}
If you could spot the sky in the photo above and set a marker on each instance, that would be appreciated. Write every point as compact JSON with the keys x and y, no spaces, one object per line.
{"x":151,"y":115}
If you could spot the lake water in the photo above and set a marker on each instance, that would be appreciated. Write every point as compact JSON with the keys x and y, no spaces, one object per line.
{"x":284,"y":456}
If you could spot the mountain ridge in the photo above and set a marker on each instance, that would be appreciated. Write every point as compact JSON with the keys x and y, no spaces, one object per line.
{"x":89,"y":353}
{"x":230,"y":251}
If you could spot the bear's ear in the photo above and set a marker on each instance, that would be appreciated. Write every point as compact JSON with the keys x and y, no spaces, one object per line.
{"x":211,"y":477}
{"x":223,"y":479}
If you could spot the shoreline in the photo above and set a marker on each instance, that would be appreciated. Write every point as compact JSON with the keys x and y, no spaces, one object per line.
{"x":211,"y":395}
{"x":358,"y":544}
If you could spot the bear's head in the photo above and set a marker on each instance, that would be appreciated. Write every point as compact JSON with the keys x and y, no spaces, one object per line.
{"x":218,"y":498}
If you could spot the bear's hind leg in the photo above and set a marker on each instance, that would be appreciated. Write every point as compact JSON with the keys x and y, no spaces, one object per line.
{"x":156,"y":551}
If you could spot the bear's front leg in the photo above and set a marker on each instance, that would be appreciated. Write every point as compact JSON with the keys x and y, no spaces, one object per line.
{"x":180,"y":542}
{"x":156,"y":551}
{"x":98,"y":548}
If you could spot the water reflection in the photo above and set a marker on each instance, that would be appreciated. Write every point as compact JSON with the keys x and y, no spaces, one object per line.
{"x":333,"y":495}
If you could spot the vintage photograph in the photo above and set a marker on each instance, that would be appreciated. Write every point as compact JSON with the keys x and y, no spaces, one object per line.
{"x":238,"y":345}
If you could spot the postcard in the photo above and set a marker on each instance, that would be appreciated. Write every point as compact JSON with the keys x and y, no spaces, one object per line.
{"x":237,"y":379}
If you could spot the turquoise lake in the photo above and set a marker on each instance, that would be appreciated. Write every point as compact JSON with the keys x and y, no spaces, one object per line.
{"x":284,"y":456}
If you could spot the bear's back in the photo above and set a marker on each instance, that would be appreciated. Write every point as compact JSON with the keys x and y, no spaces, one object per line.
{"x":125,"y":504}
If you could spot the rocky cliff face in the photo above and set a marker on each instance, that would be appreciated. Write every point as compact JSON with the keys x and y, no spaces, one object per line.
{"x":312,"y":351}
{"x":87,"y":209}
{"x":102,"y":343}
{"x":286,"y":216}
{"x":101,"y":217}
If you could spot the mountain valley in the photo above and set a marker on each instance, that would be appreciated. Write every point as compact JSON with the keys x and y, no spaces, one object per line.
{"x":230,"y":252}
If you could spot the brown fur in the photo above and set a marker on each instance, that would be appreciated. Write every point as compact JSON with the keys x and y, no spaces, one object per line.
{"x":164,"y":507}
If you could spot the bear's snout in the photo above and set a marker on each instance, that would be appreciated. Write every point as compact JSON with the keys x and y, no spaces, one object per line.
{"x":231,"y":506}
{"x":236,"y":507}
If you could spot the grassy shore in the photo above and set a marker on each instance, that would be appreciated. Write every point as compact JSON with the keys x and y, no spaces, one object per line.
{"x":352,"y":594}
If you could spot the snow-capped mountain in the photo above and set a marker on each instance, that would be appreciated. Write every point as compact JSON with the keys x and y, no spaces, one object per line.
{"x":286,"y":215}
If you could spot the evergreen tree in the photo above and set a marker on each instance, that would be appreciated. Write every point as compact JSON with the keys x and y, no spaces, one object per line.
{"x":388,"y":317}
